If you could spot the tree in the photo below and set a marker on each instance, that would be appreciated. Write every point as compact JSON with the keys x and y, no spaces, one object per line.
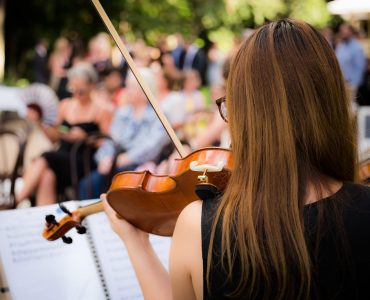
{"x":27,"y":21}
{"x":2,"y":39}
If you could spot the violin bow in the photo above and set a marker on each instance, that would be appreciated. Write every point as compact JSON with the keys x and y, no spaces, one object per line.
{"x":112,"y":31}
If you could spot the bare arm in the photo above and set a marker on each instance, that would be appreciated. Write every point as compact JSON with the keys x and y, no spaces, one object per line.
{"x":104,"y":120}
{"x":151,"y":274}
{"x":186,"y":266}
{"x":52,"y":132}
{"x":185,"y":281}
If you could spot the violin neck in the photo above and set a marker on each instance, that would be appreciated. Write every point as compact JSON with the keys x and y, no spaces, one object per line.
{"x":87,"y":210}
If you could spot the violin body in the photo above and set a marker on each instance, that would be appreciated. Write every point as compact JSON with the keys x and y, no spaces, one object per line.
{"x":153,"y":203}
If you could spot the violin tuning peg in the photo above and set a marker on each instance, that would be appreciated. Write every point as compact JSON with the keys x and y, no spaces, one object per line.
{"x":206,"y":191}
{"x":50,"y":220}
{"x":65,"y":209}
{"x":67,"y":239}
{"x":81,"y":229}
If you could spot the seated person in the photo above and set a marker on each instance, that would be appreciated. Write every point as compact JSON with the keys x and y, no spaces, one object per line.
{"x":214,"y":134}
{"x":216,"y":131}
{"x":114,"y":82}
{"x":49,"y":174}
{"x":136,"y":129}
{"x":170,"y":98}
{"x":193,"y":97}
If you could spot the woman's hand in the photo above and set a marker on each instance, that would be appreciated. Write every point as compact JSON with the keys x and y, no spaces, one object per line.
{"x":124,"y":229}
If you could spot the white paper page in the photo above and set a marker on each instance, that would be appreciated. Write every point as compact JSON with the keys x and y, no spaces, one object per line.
{"x":117,"y":270}
{"x":39,"y":269}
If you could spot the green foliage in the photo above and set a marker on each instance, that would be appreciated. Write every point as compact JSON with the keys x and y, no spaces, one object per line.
{"x":27,"y":21}
{"x":314,"y":12}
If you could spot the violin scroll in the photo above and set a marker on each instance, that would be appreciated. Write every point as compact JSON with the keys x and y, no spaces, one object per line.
{"x":57,"y":229}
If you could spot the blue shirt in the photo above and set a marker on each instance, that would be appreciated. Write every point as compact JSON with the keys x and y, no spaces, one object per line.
{"x":352,"y":61}
{"x":143,"y":139}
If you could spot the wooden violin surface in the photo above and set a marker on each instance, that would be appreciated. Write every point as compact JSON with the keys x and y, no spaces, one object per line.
{"x":153,"y":202}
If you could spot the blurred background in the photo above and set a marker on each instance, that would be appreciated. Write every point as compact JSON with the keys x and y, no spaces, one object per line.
{"x":24,"y":24}
{"x":76,"y":116}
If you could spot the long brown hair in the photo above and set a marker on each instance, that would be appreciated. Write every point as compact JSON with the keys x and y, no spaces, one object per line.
{"x":290,"y":125}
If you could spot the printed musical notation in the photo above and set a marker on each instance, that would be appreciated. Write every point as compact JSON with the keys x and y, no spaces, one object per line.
{"x":38,"y":269}
{"x":114,"y":260}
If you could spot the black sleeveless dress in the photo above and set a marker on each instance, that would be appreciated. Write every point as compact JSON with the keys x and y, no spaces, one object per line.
{"x":338,"y":274}
{"x":59,"y":161}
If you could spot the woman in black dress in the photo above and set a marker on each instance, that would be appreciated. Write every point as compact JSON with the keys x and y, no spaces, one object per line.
{"x":78,"y":116}
{"x":292,"y":223}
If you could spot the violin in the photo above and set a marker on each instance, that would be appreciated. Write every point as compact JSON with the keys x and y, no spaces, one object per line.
{"x":152,"y":202}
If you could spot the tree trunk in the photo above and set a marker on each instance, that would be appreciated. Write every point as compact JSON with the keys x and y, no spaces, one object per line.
{"x":2,"y":39}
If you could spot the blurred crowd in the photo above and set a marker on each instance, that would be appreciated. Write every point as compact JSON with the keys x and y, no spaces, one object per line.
{"x":353,"y":61}
{"x":96,"y":121}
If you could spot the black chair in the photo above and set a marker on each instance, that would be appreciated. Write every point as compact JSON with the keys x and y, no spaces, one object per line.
{"x":89,"y":144}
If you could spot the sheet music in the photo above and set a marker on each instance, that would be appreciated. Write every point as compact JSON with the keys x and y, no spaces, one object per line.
{"x":39,"y":269}
{"x":116,"y":266}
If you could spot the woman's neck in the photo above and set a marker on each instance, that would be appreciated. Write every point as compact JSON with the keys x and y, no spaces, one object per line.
{"x":329,"y":187}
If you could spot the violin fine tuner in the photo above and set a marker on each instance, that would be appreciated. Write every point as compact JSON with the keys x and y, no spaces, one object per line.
{"x":203,"y":178}
{"x":204,"y":189}
{"x":196,"y":167}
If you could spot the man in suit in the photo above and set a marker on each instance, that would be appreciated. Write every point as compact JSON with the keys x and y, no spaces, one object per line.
{"x":39,"y":64}
{"x":195,"y":59}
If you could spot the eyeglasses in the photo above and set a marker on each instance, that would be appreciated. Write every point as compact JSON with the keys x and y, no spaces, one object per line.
{"x":221,"y":103}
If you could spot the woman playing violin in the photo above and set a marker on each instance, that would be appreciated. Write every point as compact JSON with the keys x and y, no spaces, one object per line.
{"x":291,"y":224}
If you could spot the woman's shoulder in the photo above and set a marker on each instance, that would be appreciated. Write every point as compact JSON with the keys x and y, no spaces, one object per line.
{"x":66,"y":102}
{"x":189,"y":222}
{"x":65,"y":106}
{"x":197,"y":216}
{"x":190,"y":216}
{"x":186,"y":254}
